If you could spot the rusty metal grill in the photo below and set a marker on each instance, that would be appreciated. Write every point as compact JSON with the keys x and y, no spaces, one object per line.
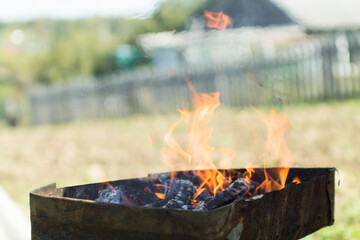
{"x":290,"y":213}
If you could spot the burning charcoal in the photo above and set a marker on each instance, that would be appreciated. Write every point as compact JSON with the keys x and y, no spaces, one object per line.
{"x":199,"y":205}
{"x":183,"y":196}
{"x":165,"y":180}
{"x":161,"y":202}
{"x":178,"y":187}
{"x":238,"y":187}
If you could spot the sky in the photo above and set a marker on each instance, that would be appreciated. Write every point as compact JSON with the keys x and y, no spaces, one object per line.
{"x":22,"y":10}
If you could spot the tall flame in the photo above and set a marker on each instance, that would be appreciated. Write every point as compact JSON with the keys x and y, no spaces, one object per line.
{"x":198,"y":154}
{"x":277,"y":149}
{"x":217,"y":20}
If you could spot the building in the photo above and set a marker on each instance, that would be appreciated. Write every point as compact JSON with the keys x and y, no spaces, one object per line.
{"x":258,"y":27}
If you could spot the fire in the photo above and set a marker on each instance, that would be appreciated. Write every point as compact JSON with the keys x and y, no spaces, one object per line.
{"x":160,"y":195}
{"x":277,"y":149}
{"x":217,"y":20}
{"x":209,"y":188}
{"x":198,"y":154}
{"x":162,"y":188}
{"x":296,"y":180}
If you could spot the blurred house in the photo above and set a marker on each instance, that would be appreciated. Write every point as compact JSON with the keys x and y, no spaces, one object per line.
{"x":258,"y":26}
{"x":277,"y":51}
{"x":198,"y":49}
{"x":323,"y":15}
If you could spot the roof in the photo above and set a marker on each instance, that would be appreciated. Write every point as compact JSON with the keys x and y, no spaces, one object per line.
{"x":248,"y":13}
{"x":315,"y":15}
{"x":323,"y":14}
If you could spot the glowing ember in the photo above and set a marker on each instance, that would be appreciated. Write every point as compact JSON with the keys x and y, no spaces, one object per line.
{"x":160,"y":195}
{"x":296,"y":180}
{"x":217,"y":20}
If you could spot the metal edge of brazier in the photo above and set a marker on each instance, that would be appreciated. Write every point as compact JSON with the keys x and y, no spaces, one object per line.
{"x":291,"y":213}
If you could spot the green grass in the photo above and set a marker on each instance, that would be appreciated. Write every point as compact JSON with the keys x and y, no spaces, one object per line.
{"x":320,"y":135}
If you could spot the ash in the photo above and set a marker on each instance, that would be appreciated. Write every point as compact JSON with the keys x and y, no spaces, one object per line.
{"x":108,"y":195}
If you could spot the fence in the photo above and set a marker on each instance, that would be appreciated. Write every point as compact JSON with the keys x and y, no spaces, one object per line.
{"x":323,"y":67}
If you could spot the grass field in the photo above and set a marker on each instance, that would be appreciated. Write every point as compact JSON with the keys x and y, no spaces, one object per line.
{"x":320,"y":135}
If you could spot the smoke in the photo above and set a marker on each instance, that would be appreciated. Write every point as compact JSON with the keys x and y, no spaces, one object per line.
{"x":115,"y":195}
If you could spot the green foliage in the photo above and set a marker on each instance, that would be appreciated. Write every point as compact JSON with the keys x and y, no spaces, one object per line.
{"x":60,"y":50}
{"x":57,"y":50}
{"x":81,"y":48}
{"x":5,"y":91}
{"x":173,"y":15}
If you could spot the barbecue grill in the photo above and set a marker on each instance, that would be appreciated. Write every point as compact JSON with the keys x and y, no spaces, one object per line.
{"x":291,"y":213}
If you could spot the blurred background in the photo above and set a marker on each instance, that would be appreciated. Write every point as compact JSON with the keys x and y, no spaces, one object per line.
{"x":88,"y":89}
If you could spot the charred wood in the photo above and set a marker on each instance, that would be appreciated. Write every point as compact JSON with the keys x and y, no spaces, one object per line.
{"x":183,"y":197}
{"x":181,"y":192}
{"x":236,"y":188}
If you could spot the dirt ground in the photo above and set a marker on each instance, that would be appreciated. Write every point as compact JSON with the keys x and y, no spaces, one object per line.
{"x":320,"y":135}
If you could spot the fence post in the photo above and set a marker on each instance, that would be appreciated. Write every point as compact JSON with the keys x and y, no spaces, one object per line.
{"x":328,"y":55}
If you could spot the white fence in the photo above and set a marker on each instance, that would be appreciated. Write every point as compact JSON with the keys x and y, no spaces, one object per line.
{"x":324,"y":67}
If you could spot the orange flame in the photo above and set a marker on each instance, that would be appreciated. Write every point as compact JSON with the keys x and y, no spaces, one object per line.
{"x":248,"y":174}
{"x":217,"y":20}
{"x":198,"y":154}
{"x":276,"y":148}
{"x":160,"y":195}
{"x":296,"y":180}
